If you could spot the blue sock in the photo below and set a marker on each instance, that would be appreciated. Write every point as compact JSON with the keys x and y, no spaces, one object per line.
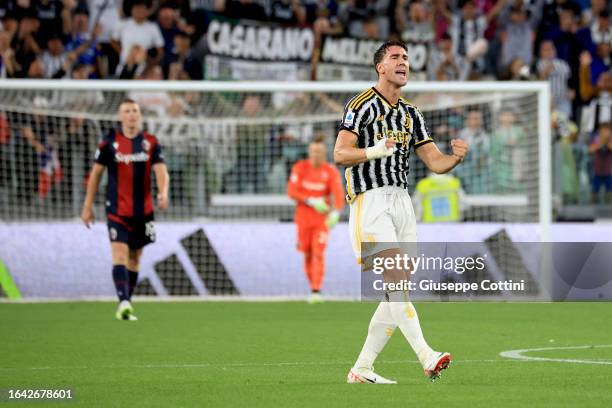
{"x":133,"y":280}
{"x":120,"y":276}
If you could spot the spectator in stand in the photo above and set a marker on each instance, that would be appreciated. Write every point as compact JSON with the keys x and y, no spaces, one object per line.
{"x":55,"y":18}
{"x":589,"y":15}
{"x":601,"y":150}
{"x":557,"y":72}
{"x":414,"y":21}
{"x":108,"y":14}
{"x":601,"y":31}
{"x":321,"y":9}
{"x":137,"y":30}
{"x":598,"y":98}
{"x":244,"y":10}
{"x":8,"y":17}
{"x":475,"y":169}
{"x":8,"y":64}
{"x":445,"y":65}
{"x":323,"y":14}
{"x":565,"y":39}
{"x":517,"y":38}
{"x":55,"y":57}
{"x":517,"y":70}
{"x":85,"y":43}
{"x":24,"y":42}
{"x":288,"y":12}
{"x":135,"y":63}
{"x":467,"y":29}
{"x":36,"y":70}
{"x":509,"y":154}
{"x":186,"y":65}
{"x":354,"y":13}
{"x":167,"y":19}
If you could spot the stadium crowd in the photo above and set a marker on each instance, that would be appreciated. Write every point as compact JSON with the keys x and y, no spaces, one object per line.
{"x":565,"y":42}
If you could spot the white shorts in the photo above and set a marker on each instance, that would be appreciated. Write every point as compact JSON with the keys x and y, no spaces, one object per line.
{"x":382,"y":215}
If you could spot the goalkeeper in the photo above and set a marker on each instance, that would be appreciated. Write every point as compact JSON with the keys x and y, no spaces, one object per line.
{"x":311,"y":184}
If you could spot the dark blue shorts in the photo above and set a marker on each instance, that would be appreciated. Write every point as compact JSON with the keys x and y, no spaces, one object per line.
{"x":599,"y":181}
{"x":135,"y":232}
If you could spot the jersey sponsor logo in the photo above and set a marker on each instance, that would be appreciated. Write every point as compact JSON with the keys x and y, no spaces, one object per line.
{"x":313,"y":186}
{"x":397,"y":136}
{"x":350,"y":117}
{"x":129,"y":158}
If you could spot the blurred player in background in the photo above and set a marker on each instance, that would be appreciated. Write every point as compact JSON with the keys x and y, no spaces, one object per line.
{"x":130,"y":156}
{"x":378,"y":130}
{"x":311,"y":184}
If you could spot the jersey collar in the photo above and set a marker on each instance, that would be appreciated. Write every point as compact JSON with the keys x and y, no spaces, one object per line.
{"x":385,"y":99}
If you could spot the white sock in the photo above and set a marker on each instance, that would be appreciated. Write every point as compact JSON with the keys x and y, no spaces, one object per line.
{"x":380,"y":331}
{"x":406,"y":318}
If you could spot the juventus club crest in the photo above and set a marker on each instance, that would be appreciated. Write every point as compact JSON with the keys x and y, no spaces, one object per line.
{"x":408,"y":124}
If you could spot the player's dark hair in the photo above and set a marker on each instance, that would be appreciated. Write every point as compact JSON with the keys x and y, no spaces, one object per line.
{"x":379,"y":55}
{"x":318,"y":138}
{"x":127,"y":100}
{"x":605,"y":125}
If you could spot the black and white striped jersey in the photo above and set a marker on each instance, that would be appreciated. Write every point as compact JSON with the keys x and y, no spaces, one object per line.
{"x":371,"y":117}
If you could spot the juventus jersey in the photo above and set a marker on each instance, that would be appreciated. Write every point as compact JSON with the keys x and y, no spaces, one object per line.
{"x":371,"y":117}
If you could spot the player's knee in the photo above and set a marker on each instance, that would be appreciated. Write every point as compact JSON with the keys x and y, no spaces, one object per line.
{"x":134,"y":259}
{"x":120,"y":253}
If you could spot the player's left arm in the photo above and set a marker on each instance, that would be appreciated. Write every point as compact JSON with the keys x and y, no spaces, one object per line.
{"x":163,"y":184}
{"x":429,"y":153}
{"x":161,"y":176}
{"x":441,"y":163}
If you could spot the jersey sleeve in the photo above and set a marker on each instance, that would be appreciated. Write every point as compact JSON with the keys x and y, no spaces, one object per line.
{"x":157,"y":156}
{"x":420,"y":134}
{"x":354,"y":118}
{"x":294,"y":189}
{"x":103,"y":154}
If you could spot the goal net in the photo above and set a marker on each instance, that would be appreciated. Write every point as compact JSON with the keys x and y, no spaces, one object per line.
{"x":229,"y":148}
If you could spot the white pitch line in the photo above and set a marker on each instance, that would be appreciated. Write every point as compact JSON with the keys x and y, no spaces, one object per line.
{"x":518,"y":355}
{"x":234,"y":365}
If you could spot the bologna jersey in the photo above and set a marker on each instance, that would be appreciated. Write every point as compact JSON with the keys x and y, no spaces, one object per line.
{"x":371,"y":117}
{"x":129,"y":163}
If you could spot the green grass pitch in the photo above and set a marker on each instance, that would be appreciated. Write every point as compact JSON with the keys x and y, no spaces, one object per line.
{"x":208,"y":354}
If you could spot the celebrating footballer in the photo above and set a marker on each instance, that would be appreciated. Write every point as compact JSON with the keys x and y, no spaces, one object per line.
{"x":379,"y":128}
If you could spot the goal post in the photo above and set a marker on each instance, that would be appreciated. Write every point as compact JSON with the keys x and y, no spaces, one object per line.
{"x":230,"y":147}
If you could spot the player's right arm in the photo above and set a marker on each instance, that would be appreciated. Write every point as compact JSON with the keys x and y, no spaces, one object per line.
{"x":103,"y":158}
{"x":87,"y":215}
{"x":294,"y":189}
{"x":347,"y":154}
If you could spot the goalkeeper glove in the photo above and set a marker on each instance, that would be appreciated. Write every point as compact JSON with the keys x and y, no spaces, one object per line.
{"x":332,"y":219}
{"x":318,"y":204}
{"x":379,"y":150}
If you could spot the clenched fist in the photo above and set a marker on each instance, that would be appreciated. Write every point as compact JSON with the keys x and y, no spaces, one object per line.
{"x":460,"y":148}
